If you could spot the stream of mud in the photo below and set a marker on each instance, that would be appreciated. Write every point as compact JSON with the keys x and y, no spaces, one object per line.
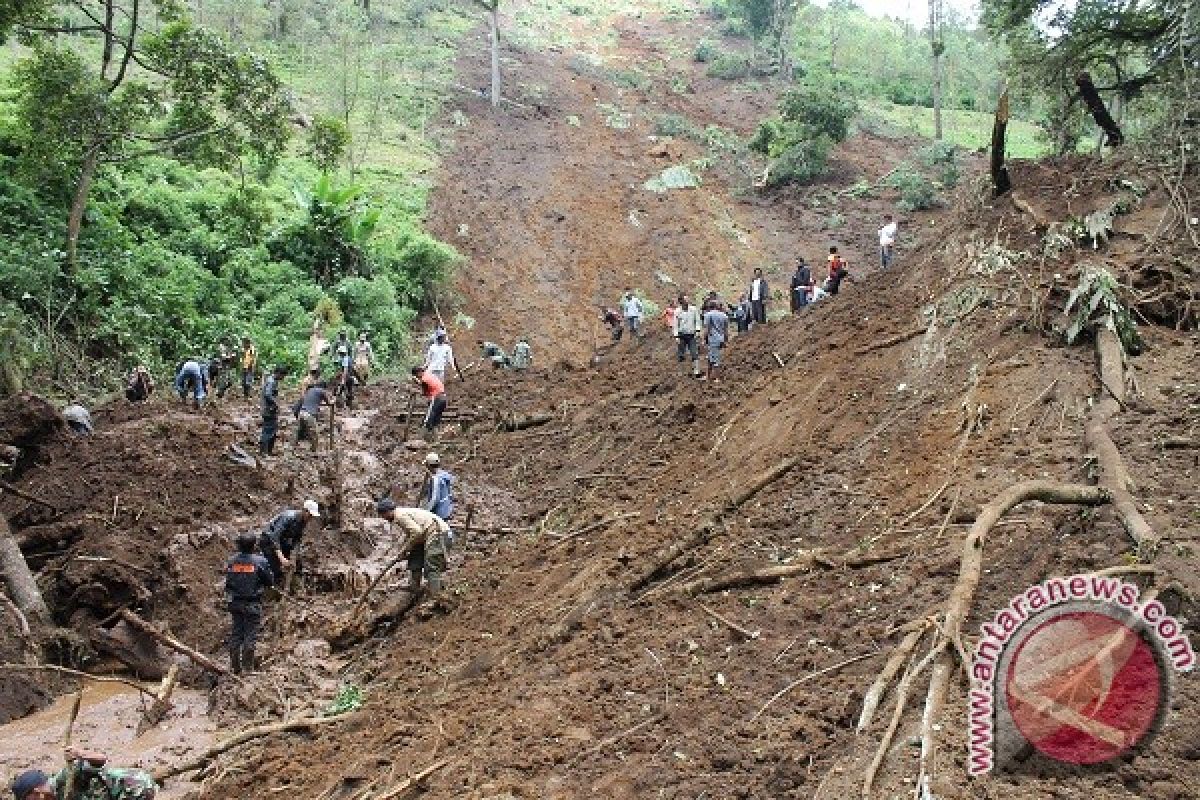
{"x":108,"y":720}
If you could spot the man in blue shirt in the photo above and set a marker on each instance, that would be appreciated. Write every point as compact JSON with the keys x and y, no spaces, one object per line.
{"x":435,"y":489}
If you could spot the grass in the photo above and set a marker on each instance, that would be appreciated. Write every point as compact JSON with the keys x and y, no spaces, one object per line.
{"x":967,"y":129}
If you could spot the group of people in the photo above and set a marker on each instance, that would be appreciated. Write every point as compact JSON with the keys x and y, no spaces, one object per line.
{"x":197,"y":378}
{"x":267,"y":560}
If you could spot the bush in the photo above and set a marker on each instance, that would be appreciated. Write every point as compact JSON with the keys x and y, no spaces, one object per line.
{"x":942,"y":158}
{"x":802,"y":162}
{"x":917,"y":192}
{"x":729,"y":66}
{"x":706,"y":51}
{"x":678,"y":126}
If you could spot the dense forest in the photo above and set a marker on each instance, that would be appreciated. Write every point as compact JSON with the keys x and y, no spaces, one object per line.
{"x":174,"y":176}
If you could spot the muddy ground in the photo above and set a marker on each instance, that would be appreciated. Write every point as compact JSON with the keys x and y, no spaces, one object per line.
{"x":541,"y":675}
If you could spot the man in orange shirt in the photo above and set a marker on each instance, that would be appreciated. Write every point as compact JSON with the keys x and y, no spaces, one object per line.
{"x":435,"y":391}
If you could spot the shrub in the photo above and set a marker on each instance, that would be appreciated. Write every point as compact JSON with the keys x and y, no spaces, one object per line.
{"x":328,"y":140}
{"x":706,"y":51}
{"x":917,"y":192}
{"x":801,"y":162}
{"x":676,"y":125}
{"x":729,"y":66}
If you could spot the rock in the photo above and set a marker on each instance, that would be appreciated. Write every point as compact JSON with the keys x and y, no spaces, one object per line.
{"x":312,"y":649}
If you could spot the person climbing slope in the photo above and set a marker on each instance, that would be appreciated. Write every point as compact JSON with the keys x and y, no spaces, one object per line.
{"x":687,"y":331}
{"x":435,"y":392}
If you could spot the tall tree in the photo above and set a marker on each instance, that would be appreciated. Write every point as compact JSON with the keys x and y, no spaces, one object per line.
{"x":492,"y":7}
{"x":166,"y":88}
{"x":937,"y":46}
{"x":1124,"y":47}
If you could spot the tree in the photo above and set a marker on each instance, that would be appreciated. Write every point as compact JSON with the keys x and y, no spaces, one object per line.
{"x":492,"y":7}
{"x":166,"y":88}
{"x":771,"y":21}
{"x":1124,"y":48}
{"x":936,"y":46}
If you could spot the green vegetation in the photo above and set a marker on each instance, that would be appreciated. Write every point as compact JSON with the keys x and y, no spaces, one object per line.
{"x":350,"y":697}
{"x":162,"y":192}
{"x":812,"y":119}
{"x":971,"y":130}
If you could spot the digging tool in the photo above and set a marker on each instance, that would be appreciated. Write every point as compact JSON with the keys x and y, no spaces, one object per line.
{"x":69,"y":788}
{"x":412,"y":398}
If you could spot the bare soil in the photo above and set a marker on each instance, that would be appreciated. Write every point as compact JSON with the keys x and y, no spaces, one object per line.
{"x":540,"y":675}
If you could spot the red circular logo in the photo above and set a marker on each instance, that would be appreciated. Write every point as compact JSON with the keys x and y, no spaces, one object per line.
{"x":1083,"y":687}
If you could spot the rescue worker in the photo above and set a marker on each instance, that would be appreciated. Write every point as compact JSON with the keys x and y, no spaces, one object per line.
{"x":282,"y":536}
{"x":801,"y":285}
{"x":522,"y":357}
{"x":78,"y":419}
{"x":307,"y":411}
{"x":270,"y":411}
{"x":139,"y":386}
{"x":364,"y":358}
{"x":435,"y":392}
{"x":440,"y":357}
{"x":344,"y":368}
{"x":425,"y":544}
{"x":435,"y":489}
{"x":192,"y":378}
{"x":686,"y":329}
{"x":249,"y":366}
{"x":247,"y":575}
{"x":492,"y":352}
{"x":91,"y":779}
{"x":612,"y":319}
{"x":220,"y":368}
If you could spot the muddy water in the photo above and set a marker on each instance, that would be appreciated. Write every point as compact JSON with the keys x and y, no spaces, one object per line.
{"x":107,"y":722}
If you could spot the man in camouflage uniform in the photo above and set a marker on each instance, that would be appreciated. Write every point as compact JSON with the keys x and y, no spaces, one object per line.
{"x":425,"y":543}
{"x":88,"y":778}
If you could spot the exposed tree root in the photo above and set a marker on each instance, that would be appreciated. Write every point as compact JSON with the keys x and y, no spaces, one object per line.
{"x":87,"y":676}
{"x":247,"y":735}
{"x":706,"y":531}
{"x":1113,"y":475}
{"x":410,"y":782}
{"x":16,"y":574}
{"x":891,"y":341}
{"x":769,"y":575}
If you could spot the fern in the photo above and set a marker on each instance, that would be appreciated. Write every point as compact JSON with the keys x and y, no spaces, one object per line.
{"x":1095,"y":301}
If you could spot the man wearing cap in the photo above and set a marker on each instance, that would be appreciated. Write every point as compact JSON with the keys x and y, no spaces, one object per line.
{"x":283,"y":535}
{"x":247,"y":575}
{"x":425,"y":544}
{"x":91,"y":779}
{"x":435,"y":489}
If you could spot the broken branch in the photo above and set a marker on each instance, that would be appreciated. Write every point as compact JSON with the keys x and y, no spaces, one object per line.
{"x":809,"y":677}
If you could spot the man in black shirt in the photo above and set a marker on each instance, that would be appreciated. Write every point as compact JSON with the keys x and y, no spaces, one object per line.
{"x":801,"y":285}
{"x":270,"y":412}
{"x":247,"y":574}
{"x":283,"y":534}
{"x":307,"y":411}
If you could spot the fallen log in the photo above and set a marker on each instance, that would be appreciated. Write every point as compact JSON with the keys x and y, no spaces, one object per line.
{"x":767,"y":575}
{"x":356,"y":630}
{"x":891,"y":341}
{"x":248,"y":735}
{"x":24,"y":495}
{"x":197,"y":657}
{"x":520,"y":422}
{"x":162,"y":701}
{"x":22,"y":587}
{"x":604,"y":523}
{"x":411,"y":782}
{"x":75,"y":674}
{"x":706,"y":531}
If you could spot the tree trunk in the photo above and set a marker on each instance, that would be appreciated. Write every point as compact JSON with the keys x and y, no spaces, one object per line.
{"x":1091,"y":97}
{"x":937,"y":47}
{"x":22,"y":587}
{"x":494,"y":39}
{"x":83,"y":187}
{"x":1001,"y":183}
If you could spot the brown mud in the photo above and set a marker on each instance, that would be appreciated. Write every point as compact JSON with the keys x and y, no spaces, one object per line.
{"x":540,"y":674}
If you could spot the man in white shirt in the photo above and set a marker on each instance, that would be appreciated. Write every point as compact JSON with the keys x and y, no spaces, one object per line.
{"x":440,"y":357}
{"x":686,"y":328}
{"x":631,"y":308}
{"x":887,"y":240}
{"x":758,"y":298}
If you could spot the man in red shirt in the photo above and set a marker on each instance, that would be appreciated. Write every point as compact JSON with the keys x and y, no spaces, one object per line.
{"x":435,"y":391}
